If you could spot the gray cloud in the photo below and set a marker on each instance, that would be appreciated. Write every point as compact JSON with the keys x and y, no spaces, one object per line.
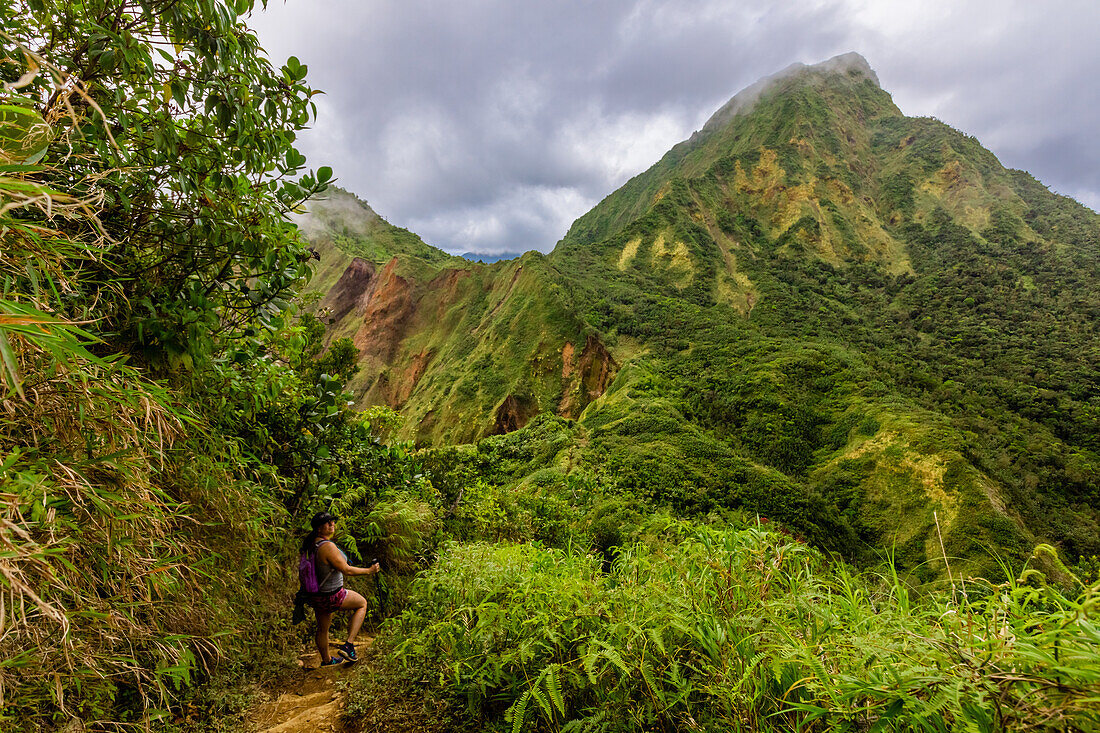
{"x":1019,"y":76}
{"x":490,"y":125}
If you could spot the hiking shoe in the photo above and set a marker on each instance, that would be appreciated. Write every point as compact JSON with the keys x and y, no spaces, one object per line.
{"x":333,"y":661}
{"x":347,"y":651}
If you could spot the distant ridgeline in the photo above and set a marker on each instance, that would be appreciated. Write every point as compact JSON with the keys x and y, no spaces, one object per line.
{"x":487,"y":259}
{"x":816,"y":309}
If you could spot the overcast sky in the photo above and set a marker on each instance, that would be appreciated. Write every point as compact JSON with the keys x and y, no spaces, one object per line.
{"x":490,"y":125}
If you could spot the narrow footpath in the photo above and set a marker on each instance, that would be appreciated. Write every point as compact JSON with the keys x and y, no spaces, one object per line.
{"x":312,"y":703}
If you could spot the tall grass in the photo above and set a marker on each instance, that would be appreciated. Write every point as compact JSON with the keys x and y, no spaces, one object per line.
{"x":119,"y":510}
{"x":721,"y":629}
{"x":119,"y":529}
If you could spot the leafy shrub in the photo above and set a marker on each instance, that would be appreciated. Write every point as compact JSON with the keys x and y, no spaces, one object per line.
{"x":721,"y":629}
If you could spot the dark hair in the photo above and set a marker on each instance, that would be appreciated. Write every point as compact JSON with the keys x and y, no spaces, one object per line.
{"x":319,"y":519}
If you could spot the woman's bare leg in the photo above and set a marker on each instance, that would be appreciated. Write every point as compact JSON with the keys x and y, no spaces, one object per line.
{"x":357,"y":603}
{"x":324,"y":619}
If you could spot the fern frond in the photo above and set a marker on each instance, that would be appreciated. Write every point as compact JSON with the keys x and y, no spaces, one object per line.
{"x":553,"y":688}
{"x":655,"y":636}
{"x":591,"y":657}
{"x":612,"y":654}
{"x":542,"y":701}
{"x":749,"y":670}
{"x":655,"y":691}
{"x":519,"y":711}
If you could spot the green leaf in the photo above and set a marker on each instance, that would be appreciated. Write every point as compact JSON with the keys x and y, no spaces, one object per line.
{"x":519,"y":711}
{"x":553,"y":687}
{"x":24,"y":135}
{"x":11,"y":367}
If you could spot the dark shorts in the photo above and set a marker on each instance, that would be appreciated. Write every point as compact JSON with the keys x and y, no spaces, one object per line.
{"x":328,"y":602}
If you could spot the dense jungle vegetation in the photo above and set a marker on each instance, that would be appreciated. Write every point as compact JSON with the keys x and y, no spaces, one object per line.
{"x":895,"y":275}
{"x":170,"y":417}
{"x":854,"y":322}
{"x":165,"y":416}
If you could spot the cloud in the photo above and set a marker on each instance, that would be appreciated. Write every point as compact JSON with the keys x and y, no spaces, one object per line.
{"x":509,"y":223}
{"x":1019,"y":76}
{"x":492,"y":124}
{"x":609,"y":147}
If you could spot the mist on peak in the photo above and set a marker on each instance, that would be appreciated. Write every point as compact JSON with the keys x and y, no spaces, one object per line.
{"x":746,"y":99}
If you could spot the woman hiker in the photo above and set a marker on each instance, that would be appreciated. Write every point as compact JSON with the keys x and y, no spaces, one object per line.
{"x":332,"y":565}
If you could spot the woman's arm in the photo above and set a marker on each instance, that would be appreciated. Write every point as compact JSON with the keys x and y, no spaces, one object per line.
{"x":330,"y":554}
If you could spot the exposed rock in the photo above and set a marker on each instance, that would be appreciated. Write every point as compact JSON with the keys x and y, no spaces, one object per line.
{"x":386,"y":308}
{"x":567,"y":352}
{"x":591,"y":374}
{"x":356,"y":280}
{"x":513,"y":413}
{"x":408,"y":380}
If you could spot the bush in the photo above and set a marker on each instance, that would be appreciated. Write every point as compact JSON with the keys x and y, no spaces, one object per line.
{"x":721,"y":629}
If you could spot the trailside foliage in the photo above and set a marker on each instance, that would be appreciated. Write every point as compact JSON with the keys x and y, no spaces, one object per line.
{"x":162,"y":412}
{"x":715,"y":628}
{"x":177,"y":134}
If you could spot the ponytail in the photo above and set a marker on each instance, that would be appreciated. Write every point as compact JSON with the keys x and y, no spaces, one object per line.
{"x":309,"y":541}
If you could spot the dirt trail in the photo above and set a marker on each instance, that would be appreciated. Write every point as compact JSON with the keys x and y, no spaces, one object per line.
{"x":312,"y":703}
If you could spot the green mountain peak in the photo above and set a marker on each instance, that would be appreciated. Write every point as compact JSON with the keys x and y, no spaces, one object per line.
{"x":814,"y":120}
{"x":816,"y":309}
{"x":850,"y":65}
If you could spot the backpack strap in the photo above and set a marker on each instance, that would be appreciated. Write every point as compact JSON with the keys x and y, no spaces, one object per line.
{"x":316,"y":547}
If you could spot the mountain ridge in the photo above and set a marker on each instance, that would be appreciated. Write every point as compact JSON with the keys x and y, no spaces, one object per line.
{"x":817,"y":309}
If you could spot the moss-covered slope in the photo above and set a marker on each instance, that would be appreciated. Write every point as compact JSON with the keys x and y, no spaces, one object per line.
{"x":463,"y":349}
{"x":816,"y":308}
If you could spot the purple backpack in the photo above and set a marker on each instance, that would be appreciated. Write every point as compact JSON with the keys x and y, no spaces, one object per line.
{"x":307,"y":570}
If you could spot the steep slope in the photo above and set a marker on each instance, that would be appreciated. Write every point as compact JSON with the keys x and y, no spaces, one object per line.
{"x":869,"y":303}
{"x":818,"y":309}
{"x":463,"y":349}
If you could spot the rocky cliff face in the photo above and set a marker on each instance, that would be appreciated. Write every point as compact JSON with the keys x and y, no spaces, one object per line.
{"x":585,"y":377}
{"x":463,"y":351}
